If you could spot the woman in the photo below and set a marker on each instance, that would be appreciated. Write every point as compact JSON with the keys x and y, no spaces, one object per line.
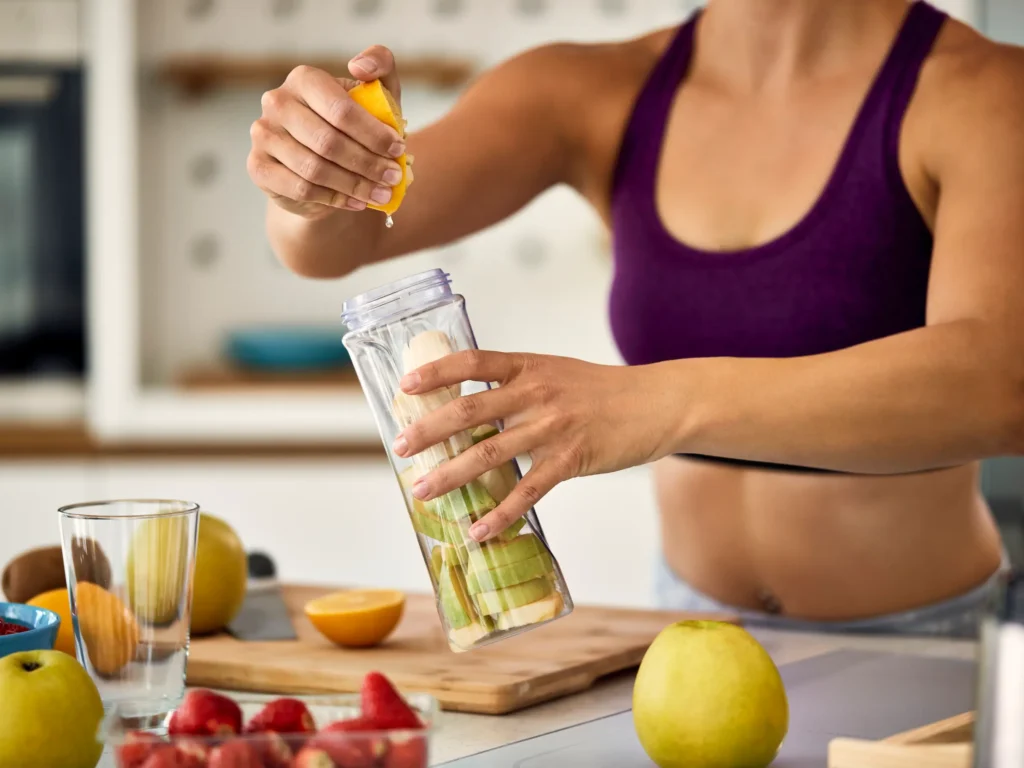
{"x":819,"y":254}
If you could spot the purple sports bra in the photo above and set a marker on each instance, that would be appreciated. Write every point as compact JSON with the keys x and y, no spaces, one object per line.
{"x":854,"y":269}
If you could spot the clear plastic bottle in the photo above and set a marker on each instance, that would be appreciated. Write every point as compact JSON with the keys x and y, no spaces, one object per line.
{"x":485,"y":592}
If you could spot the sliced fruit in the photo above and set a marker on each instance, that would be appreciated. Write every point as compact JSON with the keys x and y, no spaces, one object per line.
{"x":427,"y":523}
{"x":408,"y":409}
{"x":425,"y":348}
{"x":384,"y":706}
{"x":467,"y":637}
{"x":357,"y":617}
{"x":483,"y":432}
{"x":436,"y":561}
{"x":455,"y":603}
{"x":499,"y":481}
{"x":510,"y":574}
{"x":494,"y":553}
{"x":379,"y":102}
{"x":470,"y":501}
{"x":498,"y":601}
{"x":541,"y":610}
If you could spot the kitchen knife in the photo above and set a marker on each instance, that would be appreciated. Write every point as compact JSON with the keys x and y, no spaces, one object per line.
{"x":263,"y":615}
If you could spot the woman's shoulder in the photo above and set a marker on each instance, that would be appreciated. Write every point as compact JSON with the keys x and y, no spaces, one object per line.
{"x":967,"y":67}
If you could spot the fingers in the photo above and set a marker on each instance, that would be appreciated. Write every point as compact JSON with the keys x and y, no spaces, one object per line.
{"x":470,"y":365}
{"x":327,"y":97}
{"x":308,"y":164}
{"x":377,"y":62}
{"x":460,"y":414}
{"x":278,"y":181}
{"x":534,"y":486}
{"x":470,"y":465}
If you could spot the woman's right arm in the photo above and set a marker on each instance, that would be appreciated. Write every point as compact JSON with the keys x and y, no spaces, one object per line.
{"x":319,"y":157}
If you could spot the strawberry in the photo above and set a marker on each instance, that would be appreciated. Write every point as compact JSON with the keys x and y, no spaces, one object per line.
{"x":350,"y":743}
{"x":235,"y":754}
{"x":384,"y":706}
{"x":165,"y":757}
{"x":194,"y":753}
{"x":205,"y":713}
{"x":274,"y":749}
{"x":406,"y":752}
{"x":313,"y":758}
{"x":282,"y":716}
{"x":136,"y":747}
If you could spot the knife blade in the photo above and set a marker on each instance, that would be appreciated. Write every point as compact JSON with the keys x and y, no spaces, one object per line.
{"x":264,"y":615}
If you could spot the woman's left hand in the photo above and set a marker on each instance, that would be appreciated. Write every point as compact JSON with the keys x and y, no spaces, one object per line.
{"x":572,"y":417}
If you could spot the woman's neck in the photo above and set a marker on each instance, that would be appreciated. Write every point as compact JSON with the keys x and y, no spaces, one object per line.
{"x":759,"y":45}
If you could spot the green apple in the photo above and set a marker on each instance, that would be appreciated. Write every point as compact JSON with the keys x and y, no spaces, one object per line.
{"x":707,"y":695}
{"x":50,"y":712}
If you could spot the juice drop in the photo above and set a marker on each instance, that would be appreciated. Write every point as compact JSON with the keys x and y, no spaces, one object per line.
{"x":389,"y":222}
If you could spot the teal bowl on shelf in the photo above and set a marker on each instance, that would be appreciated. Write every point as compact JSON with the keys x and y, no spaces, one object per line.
{"x":288,"y":349}
{"x":41,"y":635}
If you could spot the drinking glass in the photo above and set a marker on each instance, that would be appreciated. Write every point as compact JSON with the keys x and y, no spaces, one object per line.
{"x":129,"y":566}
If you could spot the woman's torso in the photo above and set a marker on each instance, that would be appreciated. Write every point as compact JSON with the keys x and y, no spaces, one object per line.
{"x":793,"y":208}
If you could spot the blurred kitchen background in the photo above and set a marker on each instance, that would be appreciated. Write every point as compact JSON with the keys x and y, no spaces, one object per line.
{"x":152,"y":346}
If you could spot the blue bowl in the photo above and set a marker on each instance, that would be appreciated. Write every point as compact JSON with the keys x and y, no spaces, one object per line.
{"x":288,"y":349}
{"x":41,"y":637}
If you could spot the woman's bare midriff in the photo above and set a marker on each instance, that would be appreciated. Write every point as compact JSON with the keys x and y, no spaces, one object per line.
{"x":825,"y":547}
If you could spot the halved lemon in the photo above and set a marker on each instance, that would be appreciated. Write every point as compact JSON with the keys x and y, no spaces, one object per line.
{"x":357,"y":617}
{"x":378,"y":101}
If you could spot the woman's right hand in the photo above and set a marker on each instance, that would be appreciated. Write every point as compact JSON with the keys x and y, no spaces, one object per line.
{"x":314,"y":150}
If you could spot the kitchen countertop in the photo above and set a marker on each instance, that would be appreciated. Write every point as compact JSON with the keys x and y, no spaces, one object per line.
{"x":459,"y":735}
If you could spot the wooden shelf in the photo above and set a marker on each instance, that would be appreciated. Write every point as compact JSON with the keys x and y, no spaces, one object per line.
{"x":226,"y":378}
{"x":19,"y":441}
{"x":198,"y":74}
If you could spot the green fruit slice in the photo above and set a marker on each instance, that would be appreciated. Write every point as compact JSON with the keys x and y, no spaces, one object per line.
{"x":510,"y":574}
{"x":436,"y":561}
{"x":427,"y":524}
{"x":545,"y":609}
{"x":498,"y":601}
{"x":455,"y":603}
{"x":470,"y":501}
{"x":495,"y":553}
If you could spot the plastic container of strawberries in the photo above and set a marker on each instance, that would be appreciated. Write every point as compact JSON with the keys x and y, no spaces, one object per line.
{"x":339,"y":736}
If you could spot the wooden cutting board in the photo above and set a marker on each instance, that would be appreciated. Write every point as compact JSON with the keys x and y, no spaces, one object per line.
{"x":555,"y":660}
{"x":946,"y":744}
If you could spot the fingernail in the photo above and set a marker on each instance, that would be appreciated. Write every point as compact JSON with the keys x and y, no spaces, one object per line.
{"x":355,"y":205}
{"x":420,"y":490}
{"x":369,"y":66}
{"x":392,"y":176}
{"x":479,"y":531}
{"x":400,"y":446}
{"x":397,"y":149}
{"x":380,"y":195}
{"x":410,"y":381}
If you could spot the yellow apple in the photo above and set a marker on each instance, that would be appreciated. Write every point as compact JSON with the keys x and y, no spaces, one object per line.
{"x":157,"y":568}
{"x":221,"y":576}
{"x":50,"y":712}
{"x":707,"y":695}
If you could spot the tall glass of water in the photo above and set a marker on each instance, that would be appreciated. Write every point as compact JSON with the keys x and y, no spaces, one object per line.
{"x":129,"y":566}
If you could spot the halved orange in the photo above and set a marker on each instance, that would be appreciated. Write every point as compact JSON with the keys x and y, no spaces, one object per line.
{"x":357,"y":617}
{"x":379,"y":102}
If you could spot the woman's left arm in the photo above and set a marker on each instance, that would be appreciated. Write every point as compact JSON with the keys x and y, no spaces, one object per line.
{"x":942,"y":395}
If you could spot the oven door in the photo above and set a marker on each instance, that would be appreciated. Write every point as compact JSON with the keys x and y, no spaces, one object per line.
{"x":42,"y":290}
